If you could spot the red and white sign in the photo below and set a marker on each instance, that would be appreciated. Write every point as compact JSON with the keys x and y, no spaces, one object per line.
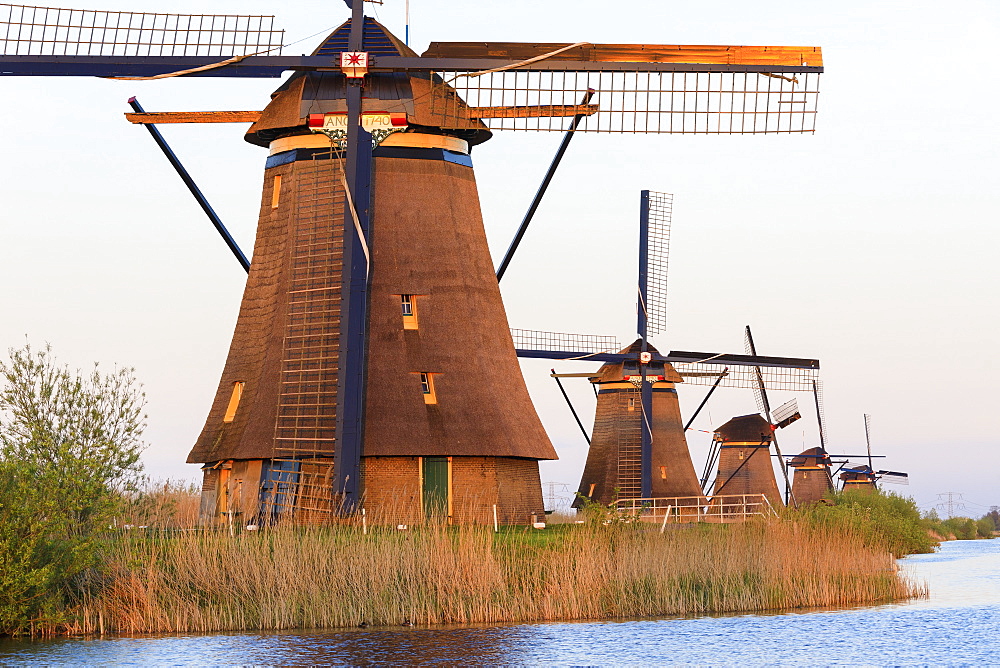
{"x":354,"y":64}
{"x":370,"y":121}
{"x":649,"y":379}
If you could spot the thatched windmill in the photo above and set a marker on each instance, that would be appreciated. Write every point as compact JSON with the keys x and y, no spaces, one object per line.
{"x":812,"y":480}
{"x":864,"y":477}
{"x":371,"y":358}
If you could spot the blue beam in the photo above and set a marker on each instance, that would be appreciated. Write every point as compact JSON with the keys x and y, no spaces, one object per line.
{"x":275,"y":66}
{"x":353,"y":361}
{"x":672,"y":356}
{"x":193,"y":188}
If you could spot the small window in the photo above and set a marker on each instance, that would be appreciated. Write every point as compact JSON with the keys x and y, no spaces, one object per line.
{"x":427,"y":385}
{"x":663,"y":473}
{"x":631,"y":403}
{"x":409,"y":306}
{"x":234,"y":401}
{"x":276,"y":191}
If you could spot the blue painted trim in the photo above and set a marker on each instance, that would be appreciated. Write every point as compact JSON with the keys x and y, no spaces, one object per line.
{"x":296,"y":154}
{"x":629,"y":389}
{"x":423,"y":154}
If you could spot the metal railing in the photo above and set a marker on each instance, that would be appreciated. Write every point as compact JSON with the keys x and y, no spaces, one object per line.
{"x":720,"y":508}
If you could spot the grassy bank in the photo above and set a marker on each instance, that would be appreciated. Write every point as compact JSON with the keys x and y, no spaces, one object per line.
{"x":335,"y":577}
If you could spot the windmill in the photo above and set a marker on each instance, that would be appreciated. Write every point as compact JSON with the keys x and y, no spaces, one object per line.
{"x":371,"y":358}
{"x":864,"y":477}
{"x":638,"y":449}
{"x":812,"y":480}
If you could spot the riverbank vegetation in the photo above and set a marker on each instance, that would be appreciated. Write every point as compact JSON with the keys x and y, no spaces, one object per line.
{"x":69,"y":459}
{"x":962,"y":528}
{"x":338,"y":576}
{"x":87,"y":545}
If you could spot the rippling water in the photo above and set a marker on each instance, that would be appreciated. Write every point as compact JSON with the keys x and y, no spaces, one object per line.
{"x":956,"y":625}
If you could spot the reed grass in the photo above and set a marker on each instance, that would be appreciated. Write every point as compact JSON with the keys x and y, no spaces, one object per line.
{"x":328,"y":577}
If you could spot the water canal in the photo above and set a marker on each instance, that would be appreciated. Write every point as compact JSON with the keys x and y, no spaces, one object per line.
{"x":956,"y":625}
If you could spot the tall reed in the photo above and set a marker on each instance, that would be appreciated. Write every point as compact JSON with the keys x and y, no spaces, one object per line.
{"x":333,"y":577}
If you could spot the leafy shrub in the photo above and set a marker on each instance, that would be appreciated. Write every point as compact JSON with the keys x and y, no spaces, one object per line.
{"x":69,"y":452}
{"x":885,"y":521}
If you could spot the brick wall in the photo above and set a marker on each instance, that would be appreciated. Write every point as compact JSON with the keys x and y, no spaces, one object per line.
{"x":392,"y":490}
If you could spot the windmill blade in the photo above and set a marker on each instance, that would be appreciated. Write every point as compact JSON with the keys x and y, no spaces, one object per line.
{"x":73,"y":42}
{"x":786,"y":414}
{"x":655,"y":209}
{"x":632,"y":101}
{"x":642,"y":87}
{"x":759,"y":390}
{"x":817,"y":388}
{"x":772,"y":58}
{"x":762,"y":399}
{"x":868,"y":440}
{"x":894,"y":477}
{"x":745,"y":377}
{"x":562,"y":345}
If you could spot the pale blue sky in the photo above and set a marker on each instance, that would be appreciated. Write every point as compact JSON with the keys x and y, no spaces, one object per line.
{"x":870,"y":245}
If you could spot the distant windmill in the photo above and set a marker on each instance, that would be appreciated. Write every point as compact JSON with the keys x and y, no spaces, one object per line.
{"x":864,"y":477}
{"x":812,"y":480}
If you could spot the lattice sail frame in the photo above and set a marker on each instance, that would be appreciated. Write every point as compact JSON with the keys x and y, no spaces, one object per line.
{"x":634,"y":101}
{"x":27,"y":30}
{"x":775,"y":378}
{"x":821,"y":408}
{"x":530,"y":339}
{"x":785,"y":410}
{"x":661,"y":207}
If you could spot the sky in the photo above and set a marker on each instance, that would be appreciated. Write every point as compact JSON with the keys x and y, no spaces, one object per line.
{"x":870,"y":245}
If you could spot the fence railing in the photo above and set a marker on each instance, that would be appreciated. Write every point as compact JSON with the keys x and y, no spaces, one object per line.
{"x":720,"y":508}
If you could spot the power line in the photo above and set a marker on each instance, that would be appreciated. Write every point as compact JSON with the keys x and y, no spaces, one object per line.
{"x":953,"y":502}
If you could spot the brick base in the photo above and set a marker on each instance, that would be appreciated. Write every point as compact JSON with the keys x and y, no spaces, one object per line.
{"x":393,"y":490}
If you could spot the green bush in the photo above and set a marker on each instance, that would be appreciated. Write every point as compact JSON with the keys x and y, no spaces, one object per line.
{"x":985,"y":527}
{"x":886,"y":521}
{"x":69,"y":455}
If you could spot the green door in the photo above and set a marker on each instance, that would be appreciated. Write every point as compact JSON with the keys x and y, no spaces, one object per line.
{"x":436,"y":488}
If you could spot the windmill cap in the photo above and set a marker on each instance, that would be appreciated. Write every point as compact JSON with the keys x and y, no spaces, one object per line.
{"x":616,"y":371}
{"x":746,"y":429}
{"x":811,"y":457}
{"x":411,"y":94}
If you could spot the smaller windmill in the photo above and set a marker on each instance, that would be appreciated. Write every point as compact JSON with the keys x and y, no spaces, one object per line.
{"x":864,"y":477}
{"x":742,"y":449}
{"x":812,"y":480}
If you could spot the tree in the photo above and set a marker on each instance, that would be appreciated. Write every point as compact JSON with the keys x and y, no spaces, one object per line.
{"x":69,"y":456}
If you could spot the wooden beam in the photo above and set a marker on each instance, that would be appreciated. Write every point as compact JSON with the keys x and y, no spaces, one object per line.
{"x":635,"y":53}
{"x":194,"y":117}
{"x":540,"y":111}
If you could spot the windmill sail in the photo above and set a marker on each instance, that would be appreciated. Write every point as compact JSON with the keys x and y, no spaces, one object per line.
{"x":894,"y":477}
{"x":643,"y":88}
{"x":50,"y":31}
{"x":657,"y":211}
{"x":786,"y":414}
{"x":530,"y":339}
